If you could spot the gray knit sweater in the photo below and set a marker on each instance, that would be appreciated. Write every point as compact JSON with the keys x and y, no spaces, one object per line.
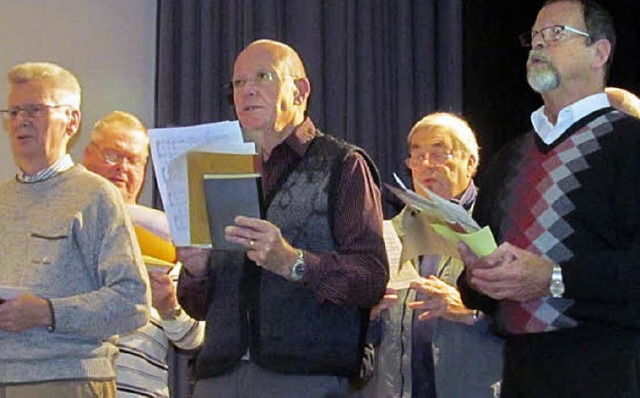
{"x":70,"y":240}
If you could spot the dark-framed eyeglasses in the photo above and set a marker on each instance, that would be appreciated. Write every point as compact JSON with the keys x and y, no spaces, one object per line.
{"x":113,"y":158}
{"x":34,"y":111}
{"x":550,"y":34}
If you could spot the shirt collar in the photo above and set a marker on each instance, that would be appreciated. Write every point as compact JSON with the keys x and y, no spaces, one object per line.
{"x":60,"y":166}
{"x":301,"y":137}
{"x":468,"y":197}
{"x":567,"y":117}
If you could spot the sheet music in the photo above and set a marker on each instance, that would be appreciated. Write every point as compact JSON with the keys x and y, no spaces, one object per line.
{"x":399,"y":277}
{"x":169,"y":147}
{"x":440,"y":209}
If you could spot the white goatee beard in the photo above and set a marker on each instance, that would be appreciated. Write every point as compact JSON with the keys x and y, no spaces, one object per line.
{"x":542,"y":79}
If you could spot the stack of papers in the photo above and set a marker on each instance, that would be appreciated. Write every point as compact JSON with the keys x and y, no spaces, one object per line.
{"x":448,"y":220}
{"x":170,"y":149}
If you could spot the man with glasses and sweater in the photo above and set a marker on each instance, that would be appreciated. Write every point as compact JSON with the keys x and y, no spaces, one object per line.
{"x":563,"y":200}
{"x":67,"y":246}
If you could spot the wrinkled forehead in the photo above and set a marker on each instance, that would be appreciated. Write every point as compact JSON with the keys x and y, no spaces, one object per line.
{"x":35,"y":91}
{"x":433,"y":136}
{"x":124,"y":139}
{"x":257,"y":58}
{"x":560,"y":13}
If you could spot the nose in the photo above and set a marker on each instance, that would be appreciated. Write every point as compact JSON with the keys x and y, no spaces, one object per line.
{"x":249,"y":88}
{"x":22,"y":119}
{"x":537,"y":42}
{"x":124,"y":164}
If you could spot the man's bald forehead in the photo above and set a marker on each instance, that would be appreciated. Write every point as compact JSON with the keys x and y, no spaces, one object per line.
{"x":285,"y":55}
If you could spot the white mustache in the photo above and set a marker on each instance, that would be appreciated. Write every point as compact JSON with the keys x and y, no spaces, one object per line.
{"x":539,"y":55}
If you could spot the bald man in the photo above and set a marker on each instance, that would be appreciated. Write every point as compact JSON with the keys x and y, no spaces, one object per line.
{"x":289,"y":318}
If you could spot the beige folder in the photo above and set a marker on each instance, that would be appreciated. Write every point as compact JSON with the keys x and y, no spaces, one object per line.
{"x":201,"y":163}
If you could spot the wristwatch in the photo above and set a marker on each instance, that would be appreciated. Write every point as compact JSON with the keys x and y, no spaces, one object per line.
{"x":173,"y":315}
{"x":297,"y":269}
{"x":557,"y":286}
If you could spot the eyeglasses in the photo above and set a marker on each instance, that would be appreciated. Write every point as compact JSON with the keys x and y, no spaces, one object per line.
{"x":260,"y":78}
{"x":435,"y":158}
{"x":31,"y":110}
{"x":549,"y":34}
{"x":113,"y":158}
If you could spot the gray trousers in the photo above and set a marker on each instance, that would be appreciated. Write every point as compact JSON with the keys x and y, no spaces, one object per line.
{"x":67,"y":389}
{"x":251,"y":381}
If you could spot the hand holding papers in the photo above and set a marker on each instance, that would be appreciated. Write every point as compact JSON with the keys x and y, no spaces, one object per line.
{"x":221,"y":187}
{"x":227,"y":196}
{"x":481,"y":242}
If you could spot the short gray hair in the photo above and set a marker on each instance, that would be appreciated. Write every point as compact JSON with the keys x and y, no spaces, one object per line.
{"x":458,"y":127}
{"x":49,"y":72}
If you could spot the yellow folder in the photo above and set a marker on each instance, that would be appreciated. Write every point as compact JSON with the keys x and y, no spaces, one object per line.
{"x":201,"y":163}
{"x":154,"y":246}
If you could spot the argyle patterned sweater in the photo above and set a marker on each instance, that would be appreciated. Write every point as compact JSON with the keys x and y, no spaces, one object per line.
{"x":576,"y":202}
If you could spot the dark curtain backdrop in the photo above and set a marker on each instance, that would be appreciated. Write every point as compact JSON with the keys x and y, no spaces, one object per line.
{"x":376,"y":66}
{"x":497,"y":99}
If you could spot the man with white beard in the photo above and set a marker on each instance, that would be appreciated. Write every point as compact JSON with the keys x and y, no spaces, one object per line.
{"x":563,"y":201}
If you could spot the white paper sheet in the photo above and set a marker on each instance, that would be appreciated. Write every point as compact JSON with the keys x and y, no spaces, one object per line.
{"x":169,"y":147}
{"x":399,"y":277}
{"x":440,"y":209}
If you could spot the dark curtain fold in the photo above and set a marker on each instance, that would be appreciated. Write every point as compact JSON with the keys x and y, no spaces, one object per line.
{"x":376,"y":66}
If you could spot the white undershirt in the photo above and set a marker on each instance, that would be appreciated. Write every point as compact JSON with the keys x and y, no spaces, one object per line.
{"x":567,"y":117}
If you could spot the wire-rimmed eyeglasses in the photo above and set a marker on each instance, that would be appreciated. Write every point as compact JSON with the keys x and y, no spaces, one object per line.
{"x":113,"y":158}
{"x":31,"y":110}
{"x":550,"y":34}
{"x":435,"y":158}
{"x":259,"y":78}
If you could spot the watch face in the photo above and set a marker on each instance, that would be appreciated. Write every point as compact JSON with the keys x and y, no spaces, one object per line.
{"x":556,"y":289}
{"x":297,"y":271}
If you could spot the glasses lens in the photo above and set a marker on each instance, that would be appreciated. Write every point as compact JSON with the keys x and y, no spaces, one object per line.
{"x":35,"y":110}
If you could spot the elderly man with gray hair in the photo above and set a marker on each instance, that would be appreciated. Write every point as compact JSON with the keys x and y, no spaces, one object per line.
{"x":72,"y":275}
{"x":432,"y":344}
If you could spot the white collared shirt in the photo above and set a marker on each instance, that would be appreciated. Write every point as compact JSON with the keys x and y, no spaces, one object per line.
{"x":567,"y":117}
{"x":61,"y":165}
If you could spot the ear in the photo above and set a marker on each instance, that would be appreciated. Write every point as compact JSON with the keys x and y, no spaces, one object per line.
{"x":74,"y":123}
{"x":602,"y":52}
{"x":87,"y":153}
{"x":303,"y":90}
{"x":472,"y":166}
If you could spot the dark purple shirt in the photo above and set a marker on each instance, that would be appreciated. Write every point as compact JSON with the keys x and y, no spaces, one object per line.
{"x":355,"y":274}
